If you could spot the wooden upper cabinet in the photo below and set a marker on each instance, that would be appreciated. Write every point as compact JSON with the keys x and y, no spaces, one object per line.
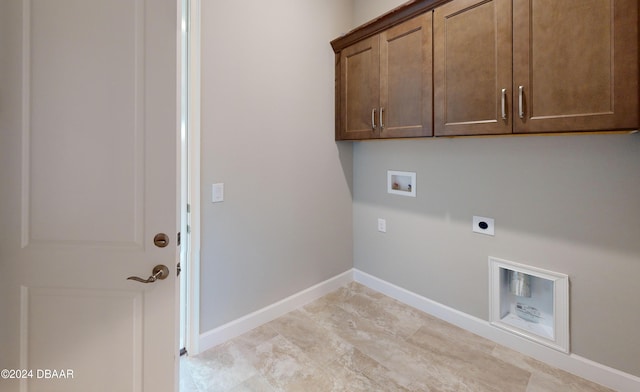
{"x":359,"y":90}
{"x":472,"y":68}
{"x":575,"y":65}
{"x":574,"y":62}
{"x":406,"y":79}
{"x":385,"y":88}
{"x":490,"y":67}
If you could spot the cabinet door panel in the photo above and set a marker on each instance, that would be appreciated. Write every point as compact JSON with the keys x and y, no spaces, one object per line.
{"x":359,"y":89}
{"x":406,"y":78}
{"x":577,"y":62}
{"x":472,"y":52}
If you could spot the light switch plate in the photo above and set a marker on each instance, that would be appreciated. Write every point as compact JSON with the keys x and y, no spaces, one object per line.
{"x":382,"y":225}
{"x":217,"y":192}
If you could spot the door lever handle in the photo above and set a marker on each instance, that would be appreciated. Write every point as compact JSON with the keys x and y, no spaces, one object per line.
{"x":159,"y":272}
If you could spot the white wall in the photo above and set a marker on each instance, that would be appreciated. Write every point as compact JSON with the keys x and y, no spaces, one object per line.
{"x":268,"y":134}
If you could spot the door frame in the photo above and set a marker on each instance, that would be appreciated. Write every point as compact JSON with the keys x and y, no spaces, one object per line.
{"x":192,"y":338}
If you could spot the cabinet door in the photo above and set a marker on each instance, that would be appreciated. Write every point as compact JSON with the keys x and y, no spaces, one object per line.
{"x":576,"y":62}
{"x":360,"y":90}
{"x":406,"y":79}
{"x":472,"y":67}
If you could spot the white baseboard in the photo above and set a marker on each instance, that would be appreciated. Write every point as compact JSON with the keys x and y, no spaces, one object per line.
{"x":585,"y":368}
{"x":253,"y":320}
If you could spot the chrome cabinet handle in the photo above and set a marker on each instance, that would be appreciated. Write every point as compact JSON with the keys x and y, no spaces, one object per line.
{"x":159,"y":272}
{"x":504,"y":104}
{"x":373,"y":119}
{"x":521,"y":101}
{"x":380,"y":119}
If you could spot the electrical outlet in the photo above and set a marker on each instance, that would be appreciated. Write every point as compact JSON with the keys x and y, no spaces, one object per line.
{"x":483,"y":225}
{"x":382,"y":225}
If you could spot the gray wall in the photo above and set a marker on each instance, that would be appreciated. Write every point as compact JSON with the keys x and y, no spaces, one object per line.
{"x":267,"y":133}
{"x":366,"y":10}
{"x":564,"y":203}
{"x":8,"y":72}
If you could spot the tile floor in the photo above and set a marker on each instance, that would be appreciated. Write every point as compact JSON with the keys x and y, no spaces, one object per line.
{"x":356,"y":339}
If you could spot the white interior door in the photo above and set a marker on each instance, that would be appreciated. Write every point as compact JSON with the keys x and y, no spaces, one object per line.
{"x":88,"y":176}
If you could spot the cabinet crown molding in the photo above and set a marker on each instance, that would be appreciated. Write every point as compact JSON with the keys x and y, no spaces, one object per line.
{"x":396,"y":16}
